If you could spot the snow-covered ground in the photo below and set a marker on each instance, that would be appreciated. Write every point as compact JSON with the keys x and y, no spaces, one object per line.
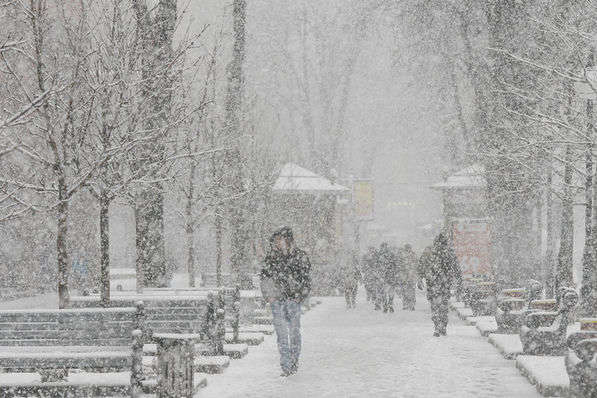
{"x":42,"y":301}
{"x":362,"y":353}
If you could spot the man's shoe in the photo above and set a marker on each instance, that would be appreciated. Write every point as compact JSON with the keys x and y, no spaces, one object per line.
{"x":443,"y":333}
{"x":436,"y":334}
{"x":285,"y":373}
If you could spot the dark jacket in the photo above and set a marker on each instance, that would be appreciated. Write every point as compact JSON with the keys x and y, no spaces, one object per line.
{"x":289,"y":274}
{"x":389,"y":264}
{"x":441,"y":268}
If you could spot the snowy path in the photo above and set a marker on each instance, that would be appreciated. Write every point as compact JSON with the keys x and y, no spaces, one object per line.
{"x":362,"y":353}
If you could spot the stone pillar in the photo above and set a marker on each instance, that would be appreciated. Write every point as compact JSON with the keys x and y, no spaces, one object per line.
{"x":176,"y":356}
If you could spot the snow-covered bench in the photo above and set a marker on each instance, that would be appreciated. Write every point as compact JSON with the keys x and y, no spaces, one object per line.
{"x":229,"y":300}
{"x":581,"y":363}
{"x":482,"y":298}
{"x":511,"y":311}
{"x":544,"y":333}
{"x":240,"y":310}
{"x":200,"y":315}
{"x":53,"y":342}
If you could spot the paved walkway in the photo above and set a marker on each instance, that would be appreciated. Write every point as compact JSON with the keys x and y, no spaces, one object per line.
{"x":362,"y":353}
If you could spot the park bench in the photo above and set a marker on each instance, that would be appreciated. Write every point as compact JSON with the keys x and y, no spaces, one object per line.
{"x":201,"y":315}
{"x":241,"y":307}
{"x":482,"y":297}
{"x":581,"y":361}
{"x":513,"y":305}
{"x":229,"y":300}
{"x":544,"y":333}
{"x":53,"y":342}
{"x":468,"y":286}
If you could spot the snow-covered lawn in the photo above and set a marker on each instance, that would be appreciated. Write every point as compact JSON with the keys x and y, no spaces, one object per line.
{"x":42,"y":301}
{"x":362,"y":353}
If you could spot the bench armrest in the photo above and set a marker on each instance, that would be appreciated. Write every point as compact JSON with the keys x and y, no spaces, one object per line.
{"x":535,"y":320}
{"x":586,"y":349}
{"x":577,"y":337}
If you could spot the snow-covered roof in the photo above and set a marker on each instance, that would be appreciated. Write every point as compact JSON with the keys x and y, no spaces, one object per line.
{"x":294,"y":178}
{"x":122,"y":271}
{"x":471,"y":177}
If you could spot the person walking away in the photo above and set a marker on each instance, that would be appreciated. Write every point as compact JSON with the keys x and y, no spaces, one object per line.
{"x":351,"y":277}
{"x":378,"y":275}
{"x":409,"y":278}
{"x":423,"y":265}
{"x":367,"y":272}
{"x":388,"y":262}
{"x":440,"y":269}
{"x":286,"y":283}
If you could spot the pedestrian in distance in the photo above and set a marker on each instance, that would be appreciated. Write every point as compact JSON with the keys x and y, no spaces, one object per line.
{"x":439,"y":267}
{"x":388,"y":263}
{"x":368,"y":274}
{"x":350,"y":280}
{"x":285,"y":284}
{"x":409,"y":264}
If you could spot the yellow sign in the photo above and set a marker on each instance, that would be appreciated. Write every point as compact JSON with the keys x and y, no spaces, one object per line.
{"x":363,"y":200}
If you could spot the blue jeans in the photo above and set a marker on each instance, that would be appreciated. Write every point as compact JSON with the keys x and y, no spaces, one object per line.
{"x":287,"y":322}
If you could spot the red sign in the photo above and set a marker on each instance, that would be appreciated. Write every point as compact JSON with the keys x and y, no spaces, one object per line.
{"x":471,"y":244}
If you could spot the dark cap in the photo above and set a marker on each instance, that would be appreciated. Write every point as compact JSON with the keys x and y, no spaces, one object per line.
{"x":284,"y":232}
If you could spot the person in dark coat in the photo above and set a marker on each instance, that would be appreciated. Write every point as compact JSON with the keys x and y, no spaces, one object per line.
{"x":439,"y":267}
{"x":285,"y":284}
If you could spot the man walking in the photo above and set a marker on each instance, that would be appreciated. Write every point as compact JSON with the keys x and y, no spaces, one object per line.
{"x":439,"y":268}
{"x":285,"y":284}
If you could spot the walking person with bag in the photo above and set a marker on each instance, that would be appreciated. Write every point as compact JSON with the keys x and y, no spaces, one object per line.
{"x":285,"y":284}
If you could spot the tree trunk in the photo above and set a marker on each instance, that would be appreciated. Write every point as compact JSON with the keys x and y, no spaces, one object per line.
{"x":549,"y":241}
{"x":61,"y":249}
{"x":104,"y":225}
{"x":564,"y":271}
{"x":150,"y":238}
{"x":233,"y":158}
{"x":588,"y":259}
{"x":190,"y":232}
{"x":139,"y":269}
{"x":218,"y":226}
{"x":537,"y":271}
{"x":156,"y":53}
